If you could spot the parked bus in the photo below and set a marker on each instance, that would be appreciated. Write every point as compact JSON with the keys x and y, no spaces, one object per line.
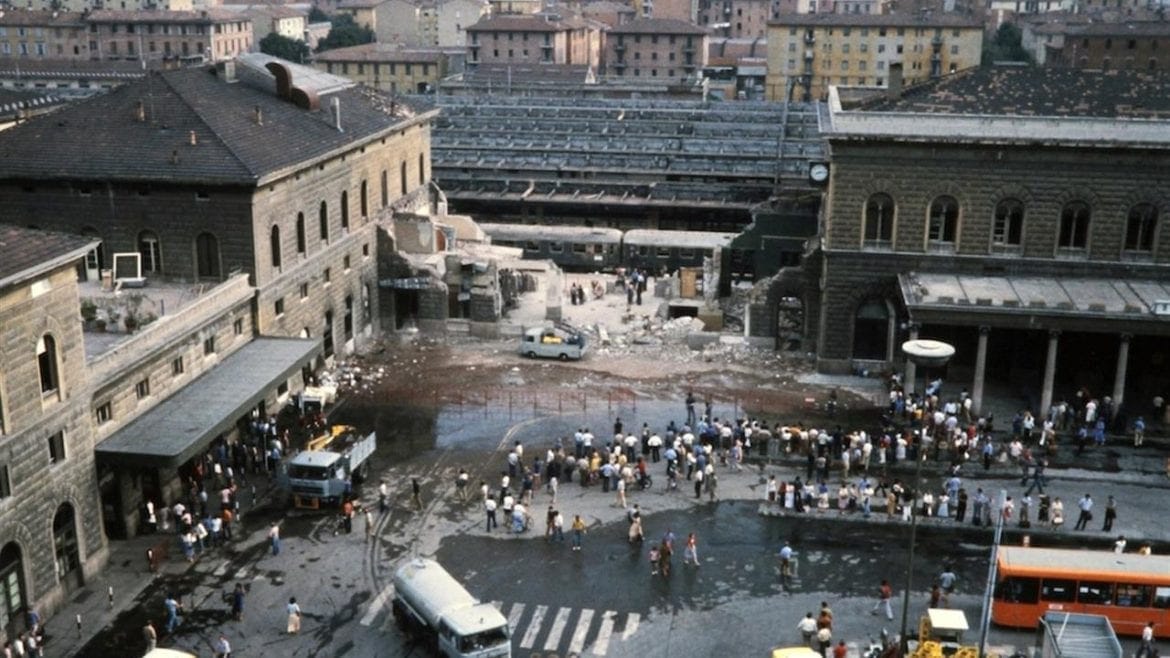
{"x":1129,"y":589}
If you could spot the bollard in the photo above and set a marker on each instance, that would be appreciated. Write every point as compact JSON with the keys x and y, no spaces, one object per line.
{"x":79,"y":626}
{"x":1027,"y":541}
{"x":110,"y":595}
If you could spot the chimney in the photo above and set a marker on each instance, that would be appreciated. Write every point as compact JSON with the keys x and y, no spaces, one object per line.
{"x":336,"y":105}
{"x":258,"y":116}
{"x":192,"y":139}
{"x":894,"y":86}
{"x":226,"y":70}
{"x":140,"y":111}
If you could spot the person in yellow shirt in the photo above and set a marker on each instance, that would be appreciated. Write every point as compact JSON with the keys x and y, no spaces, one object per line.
{"x":578,"y":529}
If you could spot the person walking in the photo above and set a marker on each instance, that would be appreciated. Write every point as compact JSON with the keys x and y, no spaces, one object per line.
{"x":824,"y":640}
{"x":383,"y":497}
{"x":1110,"y":514}
{"x":150,"y":635}
{"x":1086,"y":515}
{"x":946,"y":581}
{"x":808,"y":629}
{"x":691,"y":550}
{"x":1056,"y":514}
{"x":223,"y":648}
{"x":172,"y":607}
{"x":578,"y":529}
{"x":238,"y":602}
{"x":416,"y":494}
{"x":1139,"y":432}
{"x":293,"y":625}
{"x":1146,"y":650}
{"x":885,"y":593}
{"x":369,"y":518}
{"x":489,"y":506}
{"x":274,"y":538}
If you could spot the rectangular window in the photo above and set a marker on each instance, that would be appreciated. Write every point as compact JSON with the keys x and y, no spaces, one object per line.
{"x":209,"y":346}
{"x":1058,"y":590}
{"x":103,"y":414}
{"x":304,"y":291}
{"x":278,"y":307}
{"x":238,"y":326}
{"x":366,"y":250}
{"x":142,"y":389}
{"x":57,"y":448}
{"x":345,"y":262}
{"x":5,"y":483}
{"x":177,"y":366}
{"x":327,"y":275}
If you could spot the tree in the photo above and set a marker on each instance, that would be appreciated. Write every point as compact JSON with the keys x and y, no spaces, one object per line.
{"x":317,"y":16}
{"x":344,"y":33}
{"x":1006,"y":46}
{"x":294,"y":50}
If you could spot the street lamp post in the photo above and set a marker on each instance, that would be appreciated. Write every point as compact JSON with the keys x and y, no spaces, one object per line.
{"x":926,"y":353}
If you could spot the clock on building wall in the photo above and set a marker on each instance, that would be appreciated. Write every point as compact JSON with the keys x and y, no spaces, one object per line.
{"x":818,"y":173}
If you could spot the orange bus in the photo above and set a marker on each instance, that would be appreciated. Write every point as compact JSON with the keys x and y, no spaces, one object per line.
{"x":1130,"y":589}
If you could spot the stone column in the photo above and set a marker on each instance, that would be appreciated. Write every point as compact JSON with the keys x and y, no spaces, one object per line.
{"x":980,"y":367}
{"x":1122,"y":367}
{"x":911,"y":367}
{"x":1049,"y":374}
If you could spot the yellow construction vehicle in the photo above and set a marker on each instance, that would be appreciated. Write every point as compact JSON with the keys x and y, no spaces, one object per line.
{"x":940,"y":635}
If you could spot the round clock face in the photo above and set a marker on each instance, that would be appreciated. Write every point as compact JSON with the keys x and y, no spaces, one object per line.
{"x":819,"y":173}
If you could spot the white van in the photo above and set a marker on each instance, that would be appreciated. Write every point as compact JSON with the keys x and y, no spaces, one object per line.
{"x":558,"y":342}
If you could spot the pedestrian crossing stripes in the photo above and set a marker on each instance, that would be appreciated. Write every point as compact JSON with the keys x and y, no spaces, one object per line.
{"x":584,"y":632}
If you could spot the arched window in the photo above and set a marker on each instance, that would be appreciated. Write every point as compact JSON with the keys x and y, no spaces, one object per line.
{"x":274,"y":245}
{"x":66,"y":547}
{"x":871,"y":331}
{"x":879,"y":218}
{"x":385,"y":190}
{"x":345,"y":210}
{"x":47,"y":364}
{"x":943,"y":222}
{"x":1140,"y":226}
{"x":13,"y":597}
{"x":301,"y":233}
{"x":347,"y":319}
{"x":150,"y":251}
{"x":1008,"y":228}
{"x":323,"y":222}
{"x":1074,"y":225}
{"x":206,"y":256}
{"x":365,"y":200}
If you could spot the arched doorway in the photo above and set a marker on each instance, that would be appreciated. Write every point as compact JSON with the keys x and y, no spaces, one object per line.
{"x":66,"y":548}
{"x":871,"y":331}
{"x":14,"y":608}
{"x":206,"y":256}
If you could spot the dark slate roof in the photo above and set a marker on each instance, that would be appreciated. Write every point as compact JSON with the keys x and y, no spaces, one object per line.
{"x":73,"y":68}
{"x":26,"y":252}
{"x":1123,"y":30}
{"x":45,"y":18}
{"x":101,"y":138}
{"x":184,"y":424}
{"x":1032,"y":91}
{"x":658,"y":26}
{"x":380,"y":52}
{"x":517,"y":23}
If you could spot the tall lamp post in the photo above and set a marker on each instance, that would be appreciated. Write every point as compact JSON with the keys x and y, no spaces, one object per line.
{"x":925,"y":353}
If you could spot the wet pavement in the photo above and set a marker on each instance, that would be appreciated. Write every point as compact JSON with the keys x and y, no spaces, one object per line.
{"x":601,"y":600}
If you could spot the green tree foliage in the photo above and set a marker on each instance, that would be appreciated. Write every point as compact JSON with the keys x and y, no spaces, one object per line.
{"x":317,"y":16}
{"x":294,"y":50}
{"x":344,"y":33}
{"x":1005,"y":46}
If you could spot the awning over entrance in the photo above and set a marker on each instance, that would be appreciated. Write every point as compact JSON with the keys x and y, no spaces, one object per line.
{"x":1133,"y":305}
{"x":183,"y":424}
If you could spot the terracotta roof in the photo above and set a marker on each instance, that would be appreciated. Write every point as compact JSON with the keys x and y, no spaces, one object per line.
{"x":1047,"y":92}
{"x":511,"y":23}
{"x":102,"y":139}
{"x":380,"y":52}
{"x":9,"y":17}
{"x":213,"y":15}
{"x":26,"y":252}
{"x":878,"y":20}
{"x":658,"y":26}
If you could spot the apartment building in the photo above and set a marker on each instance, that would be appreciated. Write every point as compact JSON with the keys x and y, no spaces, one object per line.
{"x":807,"y":53}
{"x":424,"y":23}
{"x":534,"y":39}
{"x":737,"y":19}
{"x":386,"y":67}
{"x":656,"y":47}
{"x":43,"y":34}
{"x":1125,"y":45}
{"x":212,"y":35}
{"x":285,"y":20}
{"x":92,"y":5}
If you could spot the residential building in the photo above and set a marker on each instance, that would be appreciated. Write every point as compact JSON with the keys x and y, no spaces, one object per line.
{"x":385,"y":67}
{"x":65,"y":78}
{"x":860,"y":6}
{"x":91,"y":5}
{"x":154,"y":35}
{"x":1014,"y":212}
{"x":656,"y":47}
{"x":807,"y":53}
{"x":534,"y":39}
{"x":738,"y":19}
{"x":501,"y":7}
{"x":682,"y":10}
{"x":285,"y":20}
{"x":422,"y":23}
{"x":607,"y":12}
{"x":43,"y":34}
{"x":1129,"y":46}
